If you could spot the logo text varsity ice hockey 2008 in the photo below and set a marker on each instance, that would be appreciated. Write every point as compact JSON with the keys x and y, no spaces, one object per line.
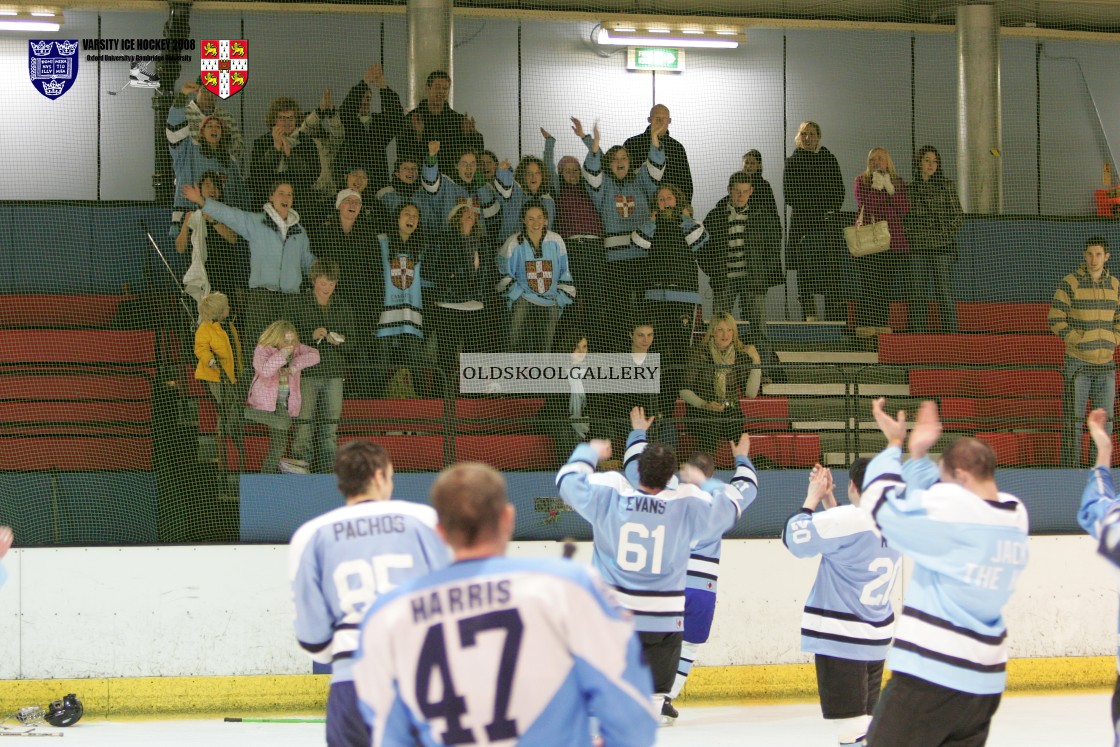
{"x":52,"y":65}
{"x":225,"y":65}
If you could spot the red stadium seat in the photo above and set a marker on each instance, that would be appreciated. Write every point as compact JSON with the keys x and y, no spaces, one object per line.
{"x":977,"y":414}
{"x":932,"y":382}
{"x":409,"y":453}
{"x":1028,"y":350}
{"x":1003,"y":317}
{"x":508,"y":452}
{"x":77,"y":346}
{"x":75,"y":453}
{"x":1024,"y":449}
{"x":62,"y":311}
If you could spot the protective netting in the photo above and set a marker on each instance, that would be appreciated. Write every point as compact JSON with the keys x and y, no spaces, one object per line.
{"x":121,"y":421}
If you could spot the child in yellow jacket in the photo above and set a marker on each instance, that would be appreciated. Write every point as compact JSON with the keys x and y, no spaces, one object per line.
{"x":218,"y":349}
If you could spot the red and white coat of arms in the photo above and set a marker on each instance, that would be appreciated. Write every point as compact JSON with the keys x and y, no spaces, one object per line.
{"x":624,"y":205}
{"x":539,"y":274}
{"x":225,"y":66}
{"x":402,"y":271}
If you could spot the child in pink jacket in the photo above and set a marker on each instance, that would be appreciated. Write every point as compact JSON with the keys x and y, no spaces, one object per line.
{"x":274,"y":397}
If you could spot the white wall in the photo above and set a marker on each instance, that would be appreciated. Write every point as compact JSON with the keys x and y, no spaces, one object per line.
{"x":192,"y":611}
{"x":855,"y":83}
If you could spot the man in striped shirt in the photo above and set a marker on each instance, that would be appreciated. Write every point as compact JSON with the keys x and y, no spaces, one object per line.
{"x":642,"y":537}
{"x":968,"y":542}
{"x":1085,"y":313}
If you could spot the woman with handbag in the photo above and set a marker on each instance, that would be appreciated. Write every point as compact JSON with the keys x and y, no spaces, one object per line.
{"x":880,"y":197}
{"x":931,"y":229}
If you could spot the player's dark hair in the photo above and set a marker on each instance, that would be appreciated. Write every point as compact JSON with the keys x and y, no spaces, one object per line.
{"x":1100,"y":241}
{"x":704,"y":462}
{"x":972,"y":456}
{"x":356,"y":463}
{"x":324,"y":268}
{"x":469,"y":499}
{"x":656,"y":465}
{"x":275,"y":185}
{"x":857,"y":471}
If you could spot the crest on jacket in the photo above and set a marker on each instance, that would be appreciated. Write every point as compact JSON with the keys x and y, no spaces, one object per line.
{"x":624,"y":205}
{"x":539,"y":274}
{"x":225,"y":66}
{"x":402,"y":271}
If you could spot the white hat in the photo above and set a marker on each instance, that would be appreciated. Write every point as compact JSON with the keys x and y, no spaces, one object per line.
{"x":344,"y":194}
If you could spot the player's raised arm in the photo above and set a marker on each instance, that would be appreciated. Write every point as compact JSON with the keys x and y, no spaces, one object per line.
{"x":1100,"y":493}
{"x":574,"y":483}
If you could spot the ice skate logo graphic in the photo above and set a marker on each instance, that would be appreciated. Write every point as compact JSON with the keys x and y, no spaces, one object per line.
{"x":52,"y":74}
{"x":225,"y":66}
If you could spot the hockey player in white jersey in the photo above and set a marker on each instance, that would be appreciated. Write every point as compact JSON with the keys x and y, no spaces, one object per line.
{"x":341,"y":561}
{"x":1099,"y":515}
{"x":496,"y":650}
{"x":848,"y":617}
{"x":642,"y":537}
{"x":968,"y":542}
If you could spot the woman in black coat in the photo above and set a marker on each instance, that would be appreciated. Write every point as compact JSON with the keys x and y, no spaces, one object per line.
{"x":814,"y":187}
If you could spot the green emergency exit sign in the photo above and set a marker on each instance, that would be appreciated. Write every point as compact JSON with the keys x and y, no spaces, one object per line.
{"x":666,"y":59}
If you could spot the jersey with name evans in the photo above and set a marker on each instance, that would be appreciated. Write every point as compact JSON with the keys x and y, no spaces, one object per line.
{"x":642,"y":541}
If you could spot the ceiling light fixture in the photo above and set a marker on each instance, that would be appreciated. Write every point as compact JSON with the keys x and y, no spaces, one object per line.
{"x":40,"y":19}
{"x":615,"y":34}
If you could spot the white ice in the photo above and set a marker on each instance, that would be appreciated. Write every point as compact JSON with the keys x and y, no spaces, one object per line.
{"x":1022,"y":721}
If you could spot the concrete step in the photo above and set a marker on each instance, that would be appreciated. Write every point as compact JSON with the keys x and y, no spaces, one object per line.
{"x":827,"y":356}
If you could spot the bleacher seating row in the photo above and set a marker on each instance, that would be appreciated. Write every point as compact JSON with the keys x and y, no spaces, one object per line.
{"x":76,"y":396}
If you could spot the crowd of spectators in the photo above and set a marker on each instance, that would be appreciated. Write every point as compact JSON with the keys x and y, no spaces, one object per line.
{"x":455,"y":250}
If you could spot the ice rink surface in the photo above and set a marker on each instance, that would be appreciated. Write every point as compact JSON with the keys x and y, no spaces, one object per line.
{"x":1022,"y":721}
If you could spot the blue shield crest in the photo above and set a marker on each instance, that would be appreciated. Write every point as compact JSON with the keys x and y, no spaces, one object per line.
{"x":53,"y":65}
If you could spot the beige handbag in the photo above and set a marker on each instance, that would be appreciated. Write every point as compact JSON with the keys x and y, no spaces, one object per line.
{"x":870,"y":239}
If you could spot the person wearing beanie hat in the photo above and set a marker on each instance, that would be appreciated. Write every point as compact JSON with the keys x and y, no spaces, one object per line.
{"x":344,"y":194}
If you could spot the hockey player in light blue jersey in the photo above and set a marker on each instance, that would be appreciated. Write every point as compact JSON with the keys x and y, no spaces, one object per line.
{"x":848,"y":617}
{"x":1099,"y":515}
{"x":341,"y":561}
{"x":968,"y":542}
{"x":703,"y":560}
{"x":643,"y":534}
{"x":496,"y":650}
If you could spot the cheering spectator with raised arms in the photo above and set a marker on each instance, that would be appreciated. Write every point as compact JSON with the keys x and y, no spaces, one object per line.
{"x":441,"y":193}
{"x":196,"y":151}
{"x":530,"y":181}
{"x":279,"y":251}
{"x":283,"y":154}
{"x":623,"y":198}
{"x":367,"y":135}
{"x":435,"y":120}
